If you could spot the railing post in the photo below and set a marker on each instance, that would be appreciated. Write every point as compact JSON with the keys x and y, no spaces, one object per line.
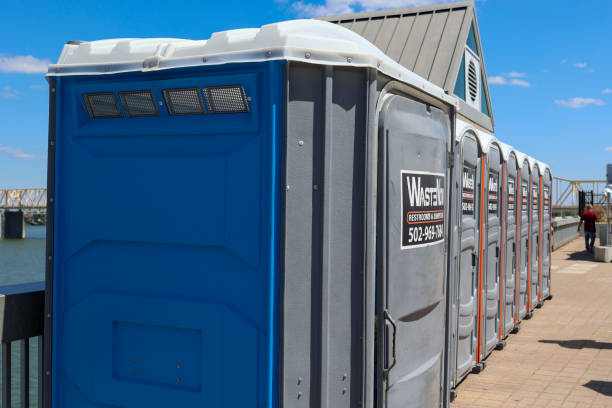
{"x":6,"y":375}
{"x":25,"y":373}
{"x":41,"y":362}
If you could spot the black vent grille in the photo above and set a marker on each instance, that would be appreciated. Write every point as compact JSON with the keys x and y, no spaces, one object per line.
{"x":138,"y":103}
{"x":472,"y":81}
{"x":226,"y":99}
{"x":102,"y":105}
{"x":185,"y":101}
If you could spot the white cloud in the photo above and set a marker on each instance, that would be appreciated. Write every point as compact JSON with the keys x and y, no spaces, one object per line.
{"x":497,"y":80}
{"x":37,"y":86}
{"x":564,"y":60}
{"x":351,"y":6}
{"x":511,"y":78}
{"x":10,"y":93}
{"x":608,"y":149}
{"x":607,"y":91}
{"x":18,"y":153}
{"x":577,"y":103}
{"x":25,"y":64}
{"x":580,"y":65}
{"x":520,"y":82}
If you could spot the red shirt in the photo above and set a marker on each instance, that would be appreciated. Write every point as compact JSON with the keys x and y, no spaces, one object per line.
{"x":589,"y":218}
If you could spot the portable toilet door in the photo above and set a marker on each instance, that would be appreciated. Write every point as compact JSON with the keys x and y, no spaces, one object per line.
{"x":534,"y":277}
{"x":468,"y":246}
{"x":523,"y":247}
{"x":509,"y":295}
{"x":491,"y":253}
{"x":413,"y":142}
{"x":546,"y":233}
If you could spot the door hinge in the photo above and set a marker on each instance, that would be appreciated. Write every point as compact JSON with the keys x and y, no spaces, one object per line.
{"x":450,"y":160}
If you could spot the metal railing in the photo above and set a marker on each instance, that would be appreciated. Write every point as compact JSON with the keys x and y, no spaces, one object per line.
{"x":22,"y":324}
{"x":565,"y":230}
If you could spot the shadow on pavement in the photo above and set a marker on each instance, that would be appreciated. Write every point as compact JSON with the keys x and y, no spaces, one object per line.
{"x":579,"y":344}
{"x":580,"y":256}
{"x":602,"y":387}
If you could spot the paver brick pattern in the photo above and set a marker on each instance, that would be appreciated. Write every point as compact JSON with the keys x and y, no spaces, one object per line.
{"x":562,"y":357}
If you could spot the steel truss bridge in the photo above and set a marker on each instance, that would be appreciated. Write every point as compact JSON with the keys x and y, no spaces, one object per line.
{"x":565,"y":192}
{"x":23,"y":199}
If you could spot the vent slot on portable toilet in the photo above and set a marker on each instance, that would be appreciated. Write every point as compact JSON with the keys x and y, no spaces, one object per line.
{"x":472,"y":79}
{"x":226,"y":99}
{"x":138,"y":103}
{"x":102,"y":105}
{"x":185,"y":101}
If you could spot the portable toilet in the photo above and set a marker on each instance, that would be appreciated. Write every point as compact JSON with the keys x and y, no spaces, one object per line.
{"x":510,"y":232}
{"x":493,"y":241}
{"x":441,"y":43}
{"x":523,"y":252}
{"x":468,"y":278}
{"x":546,"y":218}
{"x":224,"y":223}
{"x":535,"y":241}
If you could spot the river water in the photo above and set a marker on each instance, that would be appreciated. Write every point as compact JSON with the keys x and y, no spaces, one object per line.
{"x":22,"y":261}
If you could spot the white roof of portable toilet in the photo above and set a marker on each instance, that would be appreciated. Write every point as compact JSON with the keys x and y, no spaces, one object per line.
{"x":506,"y":150}
{"x":484,"y":139}
{"x":543,"y":167}
{"x":532,"y":163}
{"x":521,"y":157}
{"x":310,"y":41}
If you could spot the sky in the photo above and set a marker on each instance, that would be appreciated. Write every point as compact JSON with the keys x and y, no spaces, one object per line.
{"x":549,"y":66}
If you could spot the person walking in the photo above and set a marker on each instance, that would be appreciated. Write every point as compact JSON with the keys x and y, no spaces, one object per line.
{"x":589,"y":218}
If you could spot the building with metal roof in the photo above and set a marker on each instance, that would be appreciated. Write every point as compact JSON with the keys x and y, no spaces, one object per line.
{"x":440,"y":43}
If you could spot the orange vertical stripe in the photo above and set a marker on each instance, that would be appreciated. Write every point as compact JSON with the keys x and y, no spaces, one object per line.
{"x":482,"y":183}
{"x":540,"y":214}
{"x":501,"y":248}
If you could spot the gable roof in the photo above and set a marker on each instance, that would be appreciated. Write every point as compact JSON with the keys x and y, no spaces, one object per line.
{"x":428,"y":40}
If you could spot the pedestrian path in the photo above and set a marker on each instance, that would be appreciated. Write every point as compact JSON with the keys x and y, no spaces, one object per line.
{"x":562,"y":357}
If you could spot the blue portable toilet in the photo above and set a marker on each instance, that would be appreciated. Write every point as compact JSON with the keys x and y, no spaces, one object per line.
{"x":218,"y":229}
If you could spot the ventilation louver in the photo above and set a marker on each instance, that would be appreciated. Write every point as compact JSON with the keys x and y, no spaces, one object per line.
{"x":185,"y":101}
{"x":226,"y":99}
{"x":138,"y":103}
{"x":102,"y":105}
{"x":472,"y":81}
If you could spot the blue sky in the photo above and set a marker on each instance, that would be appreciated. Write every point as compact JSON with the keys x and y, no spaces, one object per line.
{"x":549,"y":65}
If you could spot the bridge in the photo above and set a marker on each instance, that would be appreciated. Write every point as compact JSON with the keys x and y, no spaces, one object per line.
{"x":25,"y":198}
{"x":18,"y":206}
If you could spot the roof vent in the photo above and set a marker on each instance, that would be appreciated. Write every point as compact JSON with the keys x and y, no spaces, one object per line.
{"x":472,"y":79}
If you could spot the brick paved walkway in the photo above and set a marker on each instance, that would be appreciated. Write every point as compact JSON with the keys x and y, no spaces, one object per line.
{"x":562,"y":357}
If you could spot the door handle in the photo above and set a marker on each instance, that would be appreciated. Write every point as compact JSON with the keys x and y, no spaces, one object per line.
{"x":389,"y":319}
{"x":473,"y":259}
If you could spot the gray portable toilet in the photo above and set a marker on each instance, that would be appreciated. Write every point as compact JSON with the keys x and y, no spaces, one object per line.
{"x":509,"y":249}
{"x":491,"y":250}
{"x":466,"y":283}
{"x":317,"y":267}
{"x":523,"y":240}
{"x":535,"y":241}
{"x":546,"y":217}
